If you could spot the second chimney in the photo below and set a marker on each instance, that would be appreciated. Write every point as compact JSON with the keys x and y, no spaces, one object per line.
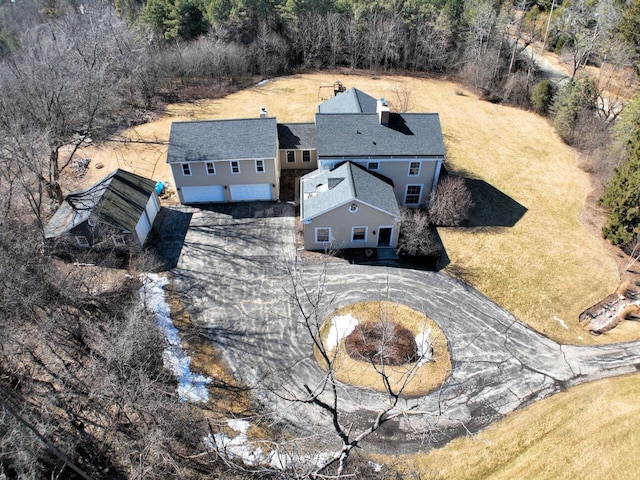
{"x":263,"y":112}
{"x":383,"y":112}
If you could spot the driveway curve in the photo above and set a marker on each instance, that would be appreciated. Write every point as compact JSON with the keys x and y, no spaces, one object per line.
{"x":233,"y":276}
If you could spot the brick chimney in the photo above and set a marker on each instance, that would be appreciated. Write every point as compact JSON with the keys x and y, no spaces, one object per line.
{"x":383,"y":112}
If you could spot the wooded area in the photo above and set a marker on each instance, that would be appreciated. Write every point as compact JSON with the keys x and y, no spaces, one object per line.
{"x":83,"y":367}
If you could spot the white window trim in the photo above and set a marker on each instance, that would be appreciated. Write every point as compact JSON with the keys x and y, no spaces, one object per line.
{"x":406,"y":189}
{"x":294,"y":156}
{"x":186,"y":172}
{"x":409,"y":174}
{"x":82,"y":241}
{"x":366,"y":232}
{"x":264,"y":168}
{"x":369,"y":167}
{"x":231,"y":162}
{"x":322,"y":228}
{"x":119,"y":240}
{"x":308,"y":153}
{"x":213,"y":167}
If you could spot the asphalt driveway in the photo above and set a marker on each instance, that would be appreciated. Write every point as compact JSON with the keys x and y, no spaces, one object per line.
{"x":233,"y":276}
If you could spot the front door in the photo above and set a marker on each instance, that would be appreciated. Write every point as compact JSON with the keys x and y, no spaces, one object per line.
{"x":384,"y":237}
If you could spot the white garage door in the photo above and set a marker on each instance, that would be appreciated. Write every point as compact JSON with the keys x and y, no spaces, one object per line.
{"x":143,"y":228}
{"x":212,"y":193}
{"x":258,"y":191}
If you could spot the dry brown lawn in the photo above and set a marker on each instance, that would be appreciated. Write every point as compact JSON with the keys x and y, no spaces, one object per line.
{"x":589,"y":432}
{"x":409,"y":379}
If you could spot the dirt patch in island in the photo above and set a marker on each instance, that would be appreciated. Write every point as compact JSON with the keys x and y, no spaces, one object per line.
{"x":385,"y":346}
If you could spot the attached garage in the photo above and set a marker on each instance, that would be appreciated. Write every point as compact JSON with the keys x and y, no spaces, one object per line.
{"x":207,"y":194}
{"x":249,"y":192}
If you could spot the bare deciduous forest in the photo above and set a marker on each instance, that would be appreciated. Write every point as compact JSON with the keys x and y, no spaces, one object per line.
{"x":83,"y":391}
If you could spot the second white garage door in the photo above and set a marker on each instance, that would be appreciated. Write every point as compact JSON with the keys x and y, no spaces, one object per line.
{"x":212,"y":193}
{"x":258,"y":191}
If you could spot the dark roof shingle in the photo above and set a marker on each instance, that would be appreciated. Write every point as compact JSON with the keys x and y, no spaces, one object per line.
{"x":350,"y":101}
{"x":297,"y":136}
{"x":361,"y":135}
{"x":323,"y":190}
{"x":209,"y":140}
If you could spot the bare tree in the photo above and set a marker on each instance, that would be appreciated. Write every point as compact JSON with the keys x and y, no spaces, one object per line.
{"x":64,"y":87}
{"x":451,"y":202}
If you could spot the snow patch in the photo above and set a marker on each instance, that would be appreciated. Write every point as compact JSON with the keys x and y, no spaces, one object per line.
{"x":192,"y":387}
{"x":561,"y":322}
{"x":241,"y":448}
{"x":424,"y":348}
{"x":341,"y":327}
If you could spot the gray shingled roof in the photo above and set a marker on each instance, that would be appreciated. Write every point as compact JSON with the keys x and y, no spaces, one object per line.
{"x":297,"y":136}
{"x":408,"y":134}
{"x":350,"y":101}
{"x":324,"y":190}
{"x":118,"y":199}
{"x":205,"y":141}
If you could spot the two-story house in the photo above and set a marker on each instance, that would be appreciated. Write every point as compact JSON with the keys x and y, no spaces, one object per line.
{"x":388,"y":155}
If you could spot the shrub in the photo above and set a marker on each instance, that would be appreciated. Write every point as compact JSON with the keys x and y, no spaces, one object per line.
{"x":451,"y":202}
{"x":542,"y":96}
{"x":383,"y":343}
{"x":576,"y":97}
{"x":417,"y":235}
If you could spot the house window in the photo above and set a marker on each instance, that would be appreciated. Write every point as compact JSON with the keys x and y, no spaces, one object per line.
{"x":291,"y":156}
{"x":82,"y":241}
{"x":186,"y":169}
{"x":414,"y":169}
{"x":211,"y":169}
{"x":306,"y":156}
{"x":359,"y":234}
{"x":412,"y":195}
{"x":235,"y":166}
{"x":119,"y":240}
{"x":323,"y":235}
{"x":260,"y":166}
{"x":373,"y":166}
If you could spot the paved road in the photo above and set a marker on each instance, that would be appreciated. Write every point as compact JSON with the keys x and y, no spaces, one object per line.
{"x":232,"y":274}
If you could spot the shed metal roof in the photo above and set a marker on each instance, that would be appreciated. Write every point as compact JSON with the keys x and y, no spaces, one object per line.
{"x":324,"y":190}
{"x":210,"y":140}
{"x":118,"y":199}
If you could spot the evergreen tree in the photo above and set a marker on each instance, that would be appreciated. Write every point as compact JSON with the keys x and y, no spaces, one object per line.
{"x":622,"y":198}
{"x":622,"y":195}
